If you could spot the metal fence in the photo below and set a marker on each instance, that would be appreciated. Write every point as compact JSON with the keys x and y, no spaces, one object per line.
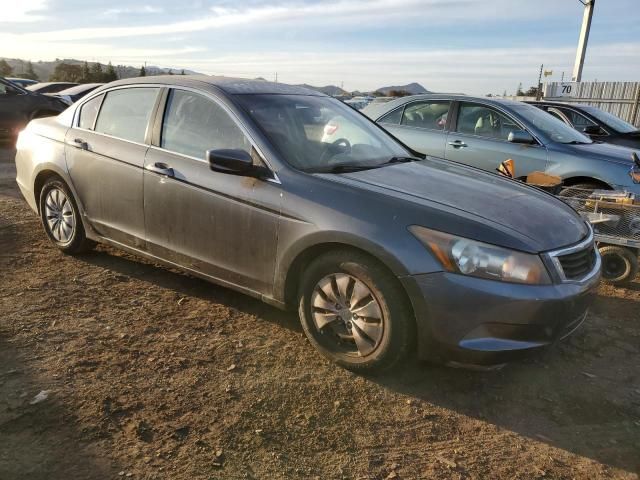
{"x":619,"y":98}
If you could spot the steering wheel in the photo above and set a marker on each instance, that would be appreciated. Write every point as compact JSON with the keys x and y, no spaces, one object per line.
{"x":341,"y":145}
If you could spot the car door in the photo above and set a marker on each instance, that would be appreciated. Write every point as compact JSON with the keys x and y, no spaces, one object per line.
{"x":421,"y":125}
{"x":480,"y":138}
{"x":222,"y":225}
{"x":105,"y":152}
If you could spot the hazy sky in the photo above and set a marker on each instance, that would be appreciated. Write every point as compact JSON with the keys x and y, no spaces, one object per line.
{"x":471,"y":46}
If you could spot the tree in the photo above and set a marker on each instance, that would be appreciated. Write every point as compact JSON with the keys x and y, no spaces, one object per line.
{"x":86,"y":73}
{"x":143,"y":72}
{"x":66,"y":72}
{"x":110,"y":75}
{"x":5,"y":69}
{"x":182,"y":72}
{"x":519,"y":92}
{"x":30,"y":73}
{"x":170,"y":72}
{"x":97,"y":75}
{"x":532,"y":92}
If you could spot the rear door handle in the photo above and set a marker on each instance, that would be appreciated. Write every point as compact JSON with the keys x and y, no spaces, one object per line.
{"x":80,"y":143}
{"x":161,"y":168}
{"x":458,"y":144}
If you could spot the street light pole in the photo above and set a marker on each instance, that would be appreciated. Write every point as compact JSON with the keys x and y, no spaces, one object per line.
{"x":584,"y":38}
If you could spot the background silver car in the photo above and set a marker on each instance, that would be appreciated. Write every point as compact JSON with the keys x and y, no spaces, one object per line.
{"x":484,"y":132}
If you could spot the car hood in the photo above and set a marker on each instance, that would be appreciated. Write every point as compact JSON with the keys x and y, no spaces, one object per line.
{"x":604,"y":151}
{"x":523,"y":217}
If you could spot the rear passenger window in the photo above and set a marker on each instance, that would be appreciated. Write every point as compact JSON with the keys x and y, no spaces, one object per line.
{"x":193,"y":124}
{"x":125,"y":113}
{"x":89,"y":112}
{"x":431,"y":115}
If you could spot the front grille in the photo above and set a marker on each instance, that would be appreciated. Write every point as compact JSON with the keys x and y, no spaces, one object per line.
{"x":578,"y":265}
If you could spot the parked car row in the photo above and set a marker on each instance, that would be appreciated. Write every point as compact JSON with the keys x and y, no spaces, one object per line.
{"x":483,"y":132}
{"x":293,"y":197}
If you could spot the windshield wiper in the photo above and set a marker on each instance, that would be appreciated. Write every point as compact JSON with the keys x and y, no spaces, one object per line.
{"x":577,"y":142}
{"x":344,"y":168}
{"x":401,"y":160}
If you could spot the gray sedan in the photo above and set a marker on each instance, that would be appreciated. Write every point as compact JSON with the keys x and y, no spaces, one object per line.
{"x":379,"y":251}
{"x":484,"y":132}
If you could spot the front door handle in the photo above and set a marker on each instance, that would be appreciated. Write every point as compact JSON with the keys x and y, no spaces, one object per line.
{"x":80,"y":143}
{"x":161,"y":168}
{"x":458,"y":144}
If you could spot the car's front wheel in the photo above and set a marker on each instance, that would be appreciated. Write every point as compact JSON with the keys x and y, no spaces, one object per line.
{"x":353,"y":310}
{"x":61,"y":218}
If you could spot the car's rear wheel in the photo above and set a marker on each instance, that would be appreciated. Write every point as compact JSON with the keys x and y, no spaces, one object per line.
{"x":61,"y":218}
{"x":354,"y":312}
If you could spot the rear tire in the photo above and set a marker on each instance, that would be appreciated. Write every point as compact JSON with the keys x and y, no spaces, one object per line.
{"x":619,"y":264}
{"x":354,"y":312}
{"x":61,"y":219}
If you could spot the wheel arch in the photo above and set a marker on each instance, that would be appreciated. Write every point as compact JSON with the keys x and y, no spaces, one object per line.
{"x":577,"y":180}
{"x":40,"y":179}
{"x":289,"y":285}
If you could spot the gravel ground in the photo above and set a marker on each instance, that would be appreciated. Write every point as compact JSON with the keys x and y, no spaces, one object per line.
{"x":151,"y":374}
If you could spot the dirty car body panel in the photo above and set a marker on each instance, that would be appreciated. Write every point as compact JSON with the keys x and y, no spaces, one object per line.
{"x":155,"y":195}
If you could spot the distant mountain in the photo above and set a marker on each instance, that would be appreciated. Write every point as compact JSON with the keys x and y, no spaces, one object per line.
{"x":412,"y":88}
{"x":328,"y":90}
{"x":45,"y":69}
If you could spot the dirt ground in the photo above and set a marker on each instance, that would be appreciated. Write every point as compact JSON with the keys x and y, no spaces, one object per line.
{"x":151,"y":374}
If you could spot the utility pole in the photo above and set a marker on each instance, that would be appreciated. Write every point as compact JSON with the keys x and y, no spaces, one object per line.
{"x":539,"y":89}
{"x":584,"y":38}
{"x":276,"y":77}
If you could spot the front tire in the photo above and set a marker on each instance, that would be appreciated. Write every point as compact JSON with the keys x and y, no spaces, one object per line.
{"x":60,"y":218}
{"x":619,"y":264}
{"x":354,"y":312}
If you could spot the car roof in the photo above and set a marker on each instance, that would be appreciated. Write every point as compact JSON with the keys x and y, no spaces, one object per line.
{"x":229,"y":85}
{"x":376,"y":110}
{"x":79,"y":88}
{"x":559,"y":104}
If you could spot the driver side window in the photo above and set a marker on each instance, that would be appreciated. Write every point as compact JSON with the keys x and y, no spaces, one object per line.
{"x":474,"y":119}
{"x":193,"y":124}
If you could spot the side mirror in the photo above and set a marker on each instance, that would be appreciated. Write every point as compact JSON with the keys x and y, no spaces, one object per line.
{"x":592,"y":130}
{"x":520,"y":136}
{"x":234,"y":162}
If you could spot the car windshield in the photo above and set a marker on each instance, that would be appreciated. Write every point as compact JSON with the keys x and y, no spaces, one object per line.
{"x":555,"y":129}
{"x":321,"y":134}
{"x":611,"y":120}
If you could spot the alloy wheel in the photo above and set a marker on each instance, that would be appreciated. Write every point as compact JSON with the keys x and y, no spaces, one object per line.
{"x":60,"y":216}
{"x":347,"y":314}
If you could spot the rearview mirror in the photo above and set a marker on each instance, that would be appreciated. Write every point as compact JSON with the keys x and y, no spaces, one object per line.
{"x":520,"y":136}
{"x":232,"y":161}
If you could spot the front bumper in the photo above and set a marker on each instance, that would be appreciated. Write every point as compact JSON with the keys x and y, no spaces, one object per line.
{"x":477,"y":321}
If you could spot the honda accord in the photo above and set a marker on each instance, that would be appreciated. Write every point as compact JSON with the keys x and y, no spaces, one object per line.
{"x":383,"y":252}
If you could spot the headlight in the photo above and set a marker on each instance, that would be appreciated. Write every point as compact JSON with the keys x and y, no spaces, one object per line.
{"x":468,"y":257}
